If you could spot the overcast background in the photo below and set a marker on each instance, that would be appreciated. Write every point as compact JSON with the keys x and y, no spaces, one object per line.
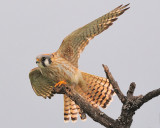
{"x":130,"y":47}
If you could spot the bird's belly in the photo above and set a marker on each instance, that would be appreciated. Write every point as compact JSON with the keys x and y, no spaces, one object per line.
{"x":69,"y":73}
{"x":63,"y":72}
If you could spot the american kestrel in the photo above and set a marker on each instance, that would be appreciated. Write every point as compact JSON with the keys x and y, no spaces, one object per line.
{"x":61,"y":67}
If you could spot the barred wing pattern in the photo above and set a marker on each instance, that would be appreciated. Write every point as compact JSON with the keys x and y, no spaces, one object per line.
{"x":75,"y":43}
{"x":41,"y":85}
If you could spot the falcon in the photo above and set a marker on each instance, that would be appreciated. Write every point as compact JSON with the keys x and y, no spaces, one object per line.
{"x":61,"y":67}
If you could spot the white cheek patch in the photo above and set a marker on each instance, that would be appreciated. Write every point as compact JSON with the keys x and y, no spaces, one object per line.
{"x":46,"y":62}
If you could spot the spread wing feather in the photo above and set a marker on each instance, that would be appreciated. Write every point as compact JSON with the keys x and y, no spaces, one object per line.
{"x":41,"y":85}
{"x":74,"y":43}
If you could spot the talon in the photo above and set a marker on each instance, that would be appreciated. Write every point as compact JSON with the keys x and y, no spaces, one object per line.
{"x":60,"y":83}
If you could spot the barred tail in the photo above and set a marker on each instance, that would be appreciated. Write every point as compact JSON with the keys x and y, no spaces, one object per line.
{"x":100,"y":91}
{"x":71,"y":110}
{"x":66,"y":108}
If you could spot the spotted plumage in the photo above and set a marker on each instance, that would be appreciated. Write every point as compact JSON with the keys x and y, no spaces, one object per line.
{"x":62,"y":67}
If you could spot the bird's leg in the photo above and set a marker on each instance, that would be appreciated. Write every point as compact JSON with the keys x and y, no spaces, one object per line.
{"x":60,"y":83}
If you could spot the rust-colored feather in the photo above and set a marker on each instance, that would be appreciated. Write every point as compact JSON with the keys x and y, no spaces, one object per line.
{"x":75,"y":43}
{"x":100,"y":92}
{"x":66,"y":108}
{"x":71,"y":110}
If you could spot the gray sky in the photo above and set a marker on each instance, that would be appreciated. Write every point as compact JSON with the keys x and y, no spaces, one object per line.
{"x":130,"y":47}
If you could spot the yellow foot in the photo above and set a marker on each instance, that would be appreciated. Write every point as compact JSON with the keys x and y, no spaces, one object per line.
{"x":60,"y":83}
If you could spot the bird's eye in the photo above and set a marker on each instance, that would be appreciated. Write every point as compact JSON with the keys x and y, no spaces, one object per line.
{"x":43,"y":59}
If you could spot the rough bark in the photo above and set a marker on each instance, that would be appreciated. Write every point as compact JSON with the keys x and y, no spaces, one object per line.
{"x":130,"y":103}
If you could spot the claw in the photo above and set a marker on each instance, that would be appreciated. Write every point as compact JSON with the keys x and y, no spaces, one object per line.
{"x":60,"y":83}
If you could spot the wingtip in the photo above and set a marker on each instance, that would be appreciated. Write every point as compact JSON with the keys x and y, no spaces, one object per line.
{"x":126,"y":8}
{"x":126,"y":5}
{"x":123,"y":7}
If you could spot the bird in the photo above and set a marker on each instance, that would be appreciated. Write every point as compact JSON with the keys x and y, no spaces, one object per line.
{"x":61,"y":67}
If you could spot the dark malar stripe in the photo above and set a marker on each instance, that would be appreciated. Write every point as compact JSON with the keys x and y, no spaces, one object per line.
{"x":43,"y":64}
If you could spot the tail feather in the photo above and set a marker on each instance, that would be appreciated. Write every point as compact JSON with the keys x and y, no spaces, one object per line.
{"x":86,"y":95}
{"x":108,"y":97}
{"x":66,"y":108}
{"x":71,"y":110}
{"x":67,"y":105}
{"x":100,"y":91}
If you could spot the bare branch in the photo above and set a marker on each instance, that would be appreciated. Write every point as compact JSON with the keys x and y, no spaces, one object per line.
{"x":151,"y":95}
{"x":131,"y":89}
{"x":114,"y":84}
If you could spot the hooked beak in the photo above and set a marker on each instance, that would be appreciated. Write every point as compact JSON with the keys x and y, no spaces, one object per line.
{"x":37,"y":61}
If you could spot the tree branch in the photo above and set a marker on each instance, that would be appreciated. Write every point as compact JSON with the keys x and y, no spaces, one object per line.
{"x":130,"y":103}
{"x":131,"y":89}
{"x":93,"y":112}
{"x":151,"y":95}
{"x":114,"y":84}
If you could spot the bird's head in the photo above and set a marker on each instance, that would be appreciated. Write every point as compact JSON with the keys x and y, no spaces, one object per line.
{"x":44,"y":60}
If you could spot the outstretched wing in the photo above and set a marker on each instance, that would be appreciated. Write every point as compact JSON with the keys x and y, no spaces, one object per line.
{"x":74,"y":43}
{"x":41,"y":85}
